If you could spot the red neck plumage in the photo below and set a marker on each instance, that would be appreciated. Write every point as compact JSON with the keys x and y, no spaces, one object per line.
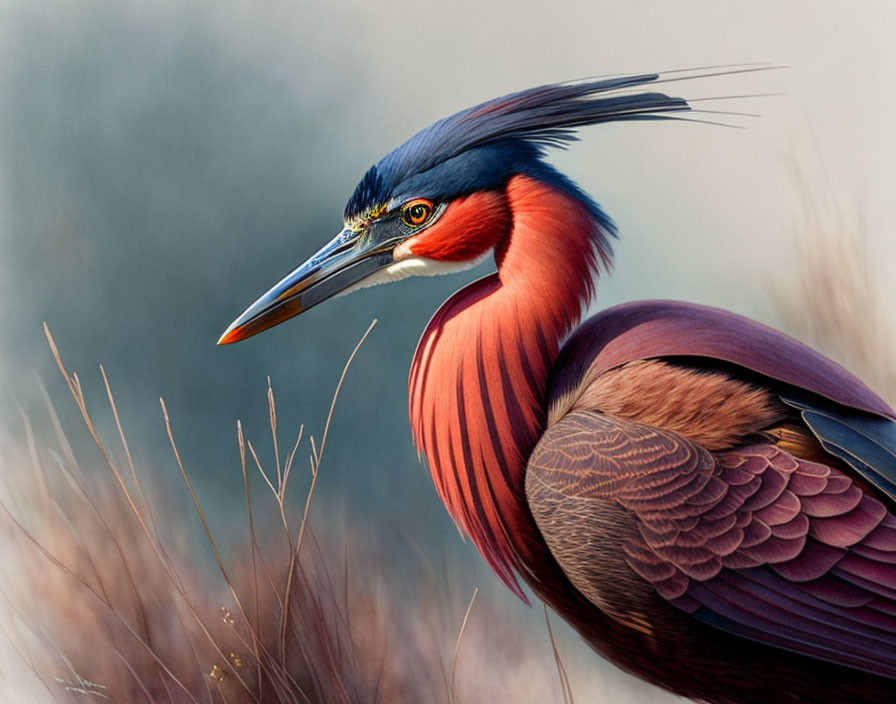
{"x":478,"y":383}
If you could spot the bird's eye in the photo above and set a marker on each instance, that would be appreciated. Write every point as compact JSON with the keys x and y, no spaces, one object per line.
{"x":416,"y":213}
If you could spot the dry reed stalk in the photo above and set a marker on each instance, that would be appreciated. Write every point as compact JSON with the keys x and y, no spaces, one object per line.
{"x":836,"y":301}
{"x":104,"y":605}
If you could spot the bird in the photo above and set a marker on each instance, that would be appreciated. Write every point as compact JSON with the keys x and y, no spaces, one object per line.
{"x":710,"y":503}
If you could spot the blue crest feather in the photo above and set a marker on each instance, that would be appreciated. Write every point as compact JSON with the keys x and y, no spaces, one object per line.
{"x":518,"y":128}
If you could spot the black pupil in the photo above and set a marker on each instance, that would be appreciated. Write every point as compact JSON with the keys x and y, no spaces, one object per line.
{"x":418,"y":213}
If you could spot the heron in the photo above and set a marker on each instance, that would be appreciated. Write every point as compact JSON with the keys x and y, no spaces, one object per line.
{"x":710,"y":503}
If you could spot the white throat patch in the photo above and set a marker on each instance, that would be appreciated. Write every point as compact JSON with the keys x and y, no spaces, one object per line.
{"x":408,"y":265}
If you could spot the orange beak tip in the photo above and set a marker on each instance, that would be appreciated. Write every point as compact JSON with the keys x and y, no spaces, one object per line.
{"x":230,"y":336}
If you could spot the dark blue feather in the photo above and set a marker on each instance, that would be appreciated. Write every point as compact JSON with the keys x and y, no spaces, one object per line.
{"x":866,"y":442}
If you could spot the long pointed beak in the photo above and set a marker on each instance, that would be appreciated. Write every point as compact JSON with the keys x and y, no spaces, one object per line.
{"x":338,"y":265}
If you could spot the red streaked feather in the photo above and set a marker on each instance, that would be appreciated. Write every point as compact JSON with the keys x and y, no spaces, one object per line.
{"x":478,"y":383}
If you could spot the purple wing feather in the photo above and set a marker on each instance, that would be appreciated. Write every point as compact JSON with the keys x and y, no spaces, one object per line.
{"x":753,"y":541}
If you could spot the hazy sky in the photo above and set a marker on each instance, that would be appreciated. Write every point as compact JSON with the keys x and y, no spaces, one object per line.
{"x":161,"y":164}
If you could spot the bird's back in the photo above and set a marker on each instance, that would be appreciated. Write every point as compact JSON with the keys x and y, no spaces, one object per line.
{"x":673,"y":329}
{"x":688,"y":485}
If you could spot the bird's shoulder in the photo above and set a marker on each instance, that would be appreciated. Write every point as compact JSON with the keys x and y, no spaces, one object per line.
{"x":721,"y":381}
{"x":711,"y":407}
{"x":704,"y":337}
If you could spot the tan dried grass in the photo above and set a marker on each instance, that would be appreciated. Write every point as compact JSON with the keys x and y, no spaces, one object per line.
{"x":103,"y":604}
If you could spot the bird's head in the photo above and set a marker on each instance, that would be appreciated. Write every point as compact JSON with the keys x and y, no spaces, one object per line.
{"x":437,"y":204}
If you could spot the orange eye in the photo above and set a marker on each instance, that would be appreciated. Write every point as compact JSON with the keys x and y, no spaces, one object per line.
{"x":417,"y":212}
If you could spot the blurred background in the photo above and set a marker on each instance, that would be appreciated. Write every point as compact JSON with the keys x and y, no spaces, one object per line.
{"x":162,"y":164}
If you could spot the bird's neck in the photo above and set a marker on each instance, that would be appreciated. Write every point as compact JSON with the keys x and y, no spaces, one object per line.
{"x":478,"y":383}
